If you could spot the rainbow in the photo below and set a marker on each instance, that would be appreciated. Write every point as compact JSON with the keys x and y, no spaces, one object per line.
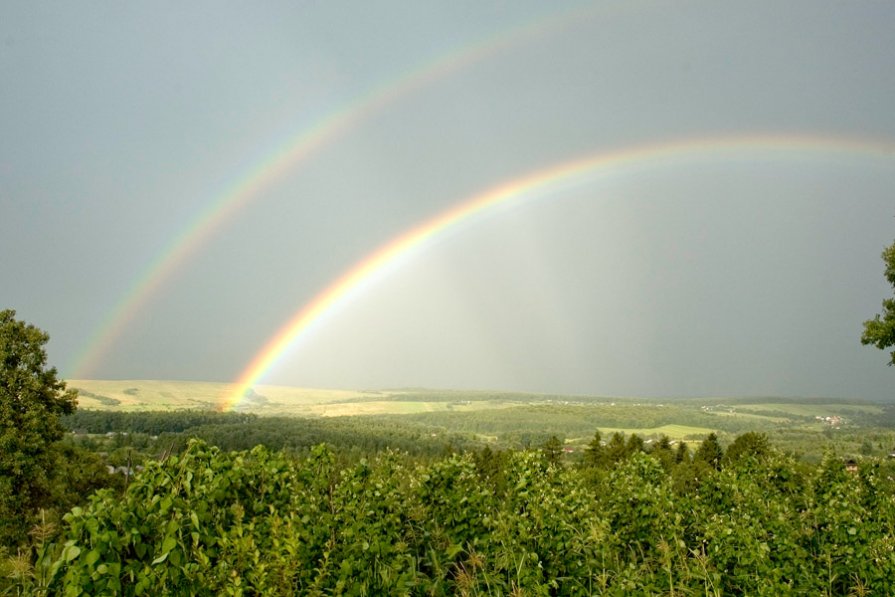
{"x":252,"y":183}
{"x":537,"y":184}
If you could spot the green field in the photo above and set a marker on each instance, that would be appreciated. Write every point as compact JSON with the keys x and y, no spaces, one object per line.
{"x":813,"y":410}
{"x":678,"y":432}
{"x":495,"y":417}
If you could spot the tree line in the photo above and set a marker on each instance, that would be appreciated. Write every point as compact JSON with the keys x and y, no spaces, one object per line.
{"x":741,"y":520}
{"x":628,"y":518}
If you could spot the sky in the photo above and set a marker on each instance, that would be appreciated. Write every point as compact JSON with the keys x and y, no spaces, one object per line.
{"x":178,"y":181}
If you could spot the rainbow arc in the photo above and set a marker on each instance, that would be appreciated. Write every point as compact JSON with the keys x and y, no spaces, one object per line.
{"x":541,"y":183}
{"x":250,"y":185}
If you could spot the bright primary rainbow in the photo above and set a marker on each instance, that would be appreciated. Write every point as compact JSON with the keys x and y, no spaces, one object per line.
{"x":250,"y":185}
{"x":536,"y":184}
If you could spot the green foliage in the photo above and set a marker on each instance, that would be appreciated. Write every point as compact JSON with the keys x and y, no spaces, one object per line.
{"x":750,"y":445}
{"x":261,"y":522}
{"x":553,"y":450}
{"x":790,"y":424}
{"x":76,"y":474}
{"x":880,"y":331}
{"x":195,"y":523}
{"x":240,"y":431}
{"x":664,"y":453}
{"x":31,"y":401}
{"x":616,"y":449}
{"x":710,"y":451}
{"x":526,"y":425}
{"x":595,"y":454}
{"x":104,"y":400}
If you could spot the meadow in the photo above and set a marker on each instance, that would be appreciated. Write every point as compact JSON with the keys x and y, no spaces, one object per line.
{"x":805,"y":426}
{"x":157,"y":489}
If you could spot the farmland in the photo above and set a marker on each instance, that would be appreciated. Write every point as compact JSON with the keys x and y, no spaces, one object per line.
{"x":514,"y":419}
{"x":418,"y":491}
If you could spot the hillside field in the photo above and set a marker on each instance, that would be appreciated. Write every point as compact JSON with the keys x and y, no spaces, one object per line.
{"x":493,"y":416}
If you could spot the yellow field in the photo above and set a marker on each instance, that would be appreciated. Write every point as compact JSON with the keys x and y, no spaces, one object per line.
{"x":145,"y":395}
{"x":141,"y":395}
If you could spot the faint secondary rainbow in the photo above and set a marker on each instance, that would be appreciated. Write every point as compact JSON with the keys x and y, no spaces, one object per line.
{"x":536,"y":184}
{"x":251,"y":183}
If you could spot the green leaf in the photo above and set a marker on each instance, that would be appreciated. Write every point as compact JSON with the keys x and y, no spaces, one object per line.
{"x":70,"y":552}
{"x":161,"y":558}
{"x":168,"y":544}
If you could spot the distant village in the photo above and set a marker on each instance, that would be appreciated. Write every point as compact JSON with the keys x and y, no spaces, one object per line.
{"x":834,"y":421}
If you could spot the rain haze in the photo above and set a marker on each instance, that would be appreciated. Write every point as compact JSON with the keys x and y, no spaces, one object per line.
{"x":179,"y":180}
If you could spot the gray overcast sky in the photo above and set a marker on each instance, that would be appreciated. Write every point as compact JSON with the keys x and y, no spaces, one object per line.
{"x":739,"y":273}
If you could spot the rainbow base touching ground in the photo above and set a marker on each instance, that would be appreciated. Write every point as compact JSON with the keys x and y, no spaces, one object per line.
{"x":538,"y":184}
{"x":283,"y":159}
